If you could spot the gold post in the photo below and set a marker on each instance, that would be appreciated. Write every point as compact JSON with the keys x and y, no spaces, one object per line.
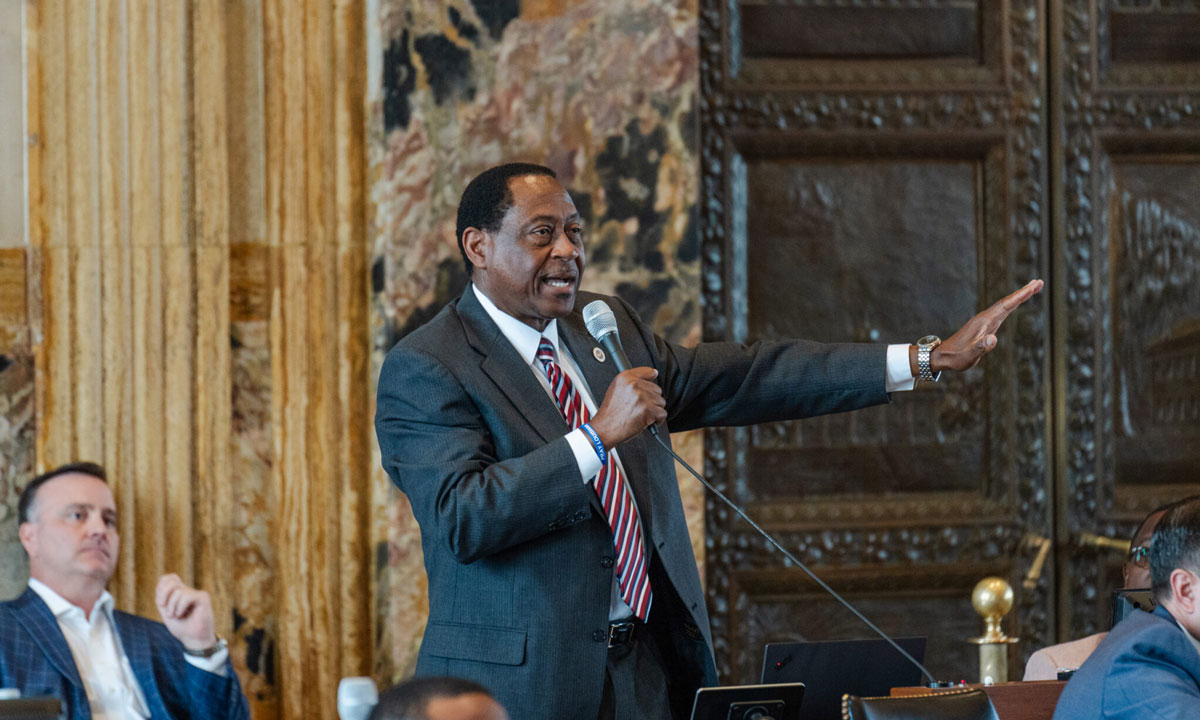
{"x":992,"y":599}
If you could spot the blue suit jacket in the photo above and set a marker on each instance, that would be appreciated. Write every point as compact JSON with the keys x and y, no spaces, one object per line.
{"x":35,"y":658}
{"x":1146,"y":668}
{"x":516,"y":545}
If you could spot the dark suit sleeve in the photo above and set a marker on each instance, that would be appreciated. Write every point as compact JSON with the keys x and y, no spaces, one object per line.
{"x":727,"y":384}
{"x":215,"y":697}
{"x":24,"y":665}
{"x":439,"y":450}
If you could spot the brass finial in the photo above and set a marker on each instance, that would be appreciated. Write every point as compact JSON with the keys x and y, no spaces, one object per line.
{"x":992,"y":599}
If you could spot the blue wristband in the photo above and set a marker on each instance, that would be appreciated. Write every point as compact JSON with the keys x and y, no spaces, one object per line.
{"x":596,"y":444}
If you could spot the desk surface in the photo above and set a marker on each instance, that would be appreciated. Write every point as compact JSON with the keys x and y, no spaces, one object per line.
{"x":1012,"y":700}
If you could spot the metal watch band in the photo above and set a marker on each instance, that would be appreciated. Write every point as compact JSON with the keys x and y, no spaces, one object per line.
{"x":208,"y":651}
{"x":923,"y":353}
{"x":925,"y":348}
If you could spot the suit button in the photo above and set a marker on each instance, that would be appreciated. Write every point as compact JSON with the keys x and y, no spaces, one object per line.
{"x":606,"y":562}
{"x":599,"y":636}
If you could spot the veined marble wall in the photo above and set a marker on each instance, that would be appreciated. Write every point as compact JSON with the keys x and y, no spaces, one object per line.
{"x":16,"y":435}
{"x":251,"y":475}
{"x":602,"y":91}
{"x":16,"y":356}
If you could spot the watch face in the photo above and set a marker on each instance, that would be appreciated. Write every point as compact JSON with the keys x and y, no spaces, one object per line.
{"x":930,"y":340}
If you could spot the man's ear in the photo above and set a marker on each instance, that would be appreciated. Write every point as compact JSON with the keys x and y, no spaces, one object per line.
{"x":477,"y":244}
{"x":28,"y":537}
{"x":1185,"y":589}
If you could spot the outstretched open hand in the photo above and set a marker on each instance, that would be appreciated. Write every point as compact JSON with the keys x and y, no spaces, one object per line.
{"x":962,"y":350}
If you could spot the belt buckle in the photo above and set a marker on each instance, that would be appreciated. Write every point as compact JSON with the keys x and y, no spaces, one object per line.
{"x":620,"y":633}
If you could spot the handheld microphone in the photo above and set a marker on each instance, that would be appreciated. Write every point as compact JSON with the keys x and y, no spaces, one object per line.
{"x":602,"y":324}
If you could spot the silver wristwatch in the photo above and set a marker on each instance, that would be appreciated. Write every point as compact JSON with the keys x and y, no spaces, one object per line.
{"x":208,"y":652}
{"x":925,"y":348}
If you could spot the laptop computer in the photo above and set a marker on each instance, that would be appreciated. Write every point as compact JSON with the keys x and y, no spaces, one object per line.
{"x":831,"y":669}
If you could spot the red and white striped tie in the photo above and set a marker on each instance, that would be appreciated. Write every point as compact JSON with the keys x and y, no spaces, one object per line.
{"x":633,"y":576}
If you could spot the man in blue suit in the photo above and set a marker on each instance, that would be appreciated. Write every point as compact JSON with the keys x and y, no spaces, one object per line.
{"x":63,"y":638}
{"x":1149,"y":665}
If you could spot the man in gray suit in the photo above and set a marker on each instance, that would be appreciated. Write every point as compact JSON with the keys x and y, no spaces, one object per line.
{"x":1149,"y":665}
{"x":561,"y":574}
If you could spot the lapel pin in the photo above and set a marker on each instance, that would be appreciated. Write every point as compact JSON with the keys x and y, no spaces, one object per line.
{"x":598,"y":354}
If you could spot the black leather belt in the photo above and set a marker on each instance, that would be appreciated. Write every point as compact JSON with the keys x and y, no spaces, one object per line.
{"x":622,"y":633}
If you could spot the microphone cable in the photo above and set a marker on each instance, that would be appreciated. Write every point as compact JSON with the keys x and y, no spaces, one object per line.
{"x":601,"y":324}
{"x":933,"y":683}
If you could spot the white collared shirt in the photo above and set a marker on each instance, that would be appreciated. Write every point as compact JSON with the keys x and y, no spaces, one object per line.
{"x":525,"y":340}
{"x":112,"y":689}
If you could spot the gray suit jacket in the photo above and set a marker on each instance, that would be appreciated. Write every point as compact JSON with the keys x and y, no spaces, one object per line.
{"x":516,"y":546}
{"x":1145,"y":669}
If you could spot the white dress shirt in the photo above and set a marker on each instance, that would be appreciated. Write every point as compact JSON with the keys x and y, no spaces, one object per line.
{"x":525,"y":341}
{"x":113,"y":691}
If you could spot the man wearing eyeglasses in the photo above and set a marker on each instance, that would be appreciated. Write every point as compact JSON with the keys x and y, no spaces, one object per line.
{"x":1149,"y":665}
{"x":1045,"y":663}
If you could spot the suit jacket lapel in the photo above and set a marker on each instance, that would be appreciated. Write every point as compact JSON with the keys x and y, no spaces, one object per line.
{"x":599,"y":375}
{"x":516,"y":380}
{"x":43,"y":626}
{"x":506,"y":368}
{"x":136,"y":645}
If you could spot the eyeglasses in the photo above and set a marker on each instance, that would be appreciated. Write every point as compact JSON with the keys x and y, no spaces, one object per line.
{"x":1139,"y":556}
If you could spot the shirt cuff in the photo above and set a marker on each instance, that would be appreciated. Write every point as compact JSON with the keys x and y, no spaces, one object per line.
{"x":899,"y":370}
{"x":585,"y":455}
{"x":214,"y":664}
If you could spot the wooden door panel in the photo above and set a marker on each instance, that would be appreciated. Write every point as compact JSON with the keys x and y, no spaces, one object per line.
{"x":808,"y":32}
{"x":877,"y":195}
{"x":918,"y":147}
{"x":828,"y":249}
{"x":814,"y":44}
{"x":1155,"y":277}
{"x":1127,"y":156}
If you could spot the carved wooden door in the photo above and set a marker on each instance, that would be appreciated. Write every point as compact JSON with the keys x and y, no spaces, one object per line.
{"x":877,"y":170}
{"x":1127,"y":303}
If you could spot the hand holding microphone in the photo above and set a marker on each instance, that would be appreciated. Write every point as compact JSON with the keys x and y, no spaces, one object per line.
{"x":633,"y":401}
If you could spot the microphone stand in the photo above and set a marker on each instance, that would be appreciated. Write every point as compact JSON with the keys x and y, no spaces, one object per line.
{"x":933,"y":683}
{"x":602,"y":326}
